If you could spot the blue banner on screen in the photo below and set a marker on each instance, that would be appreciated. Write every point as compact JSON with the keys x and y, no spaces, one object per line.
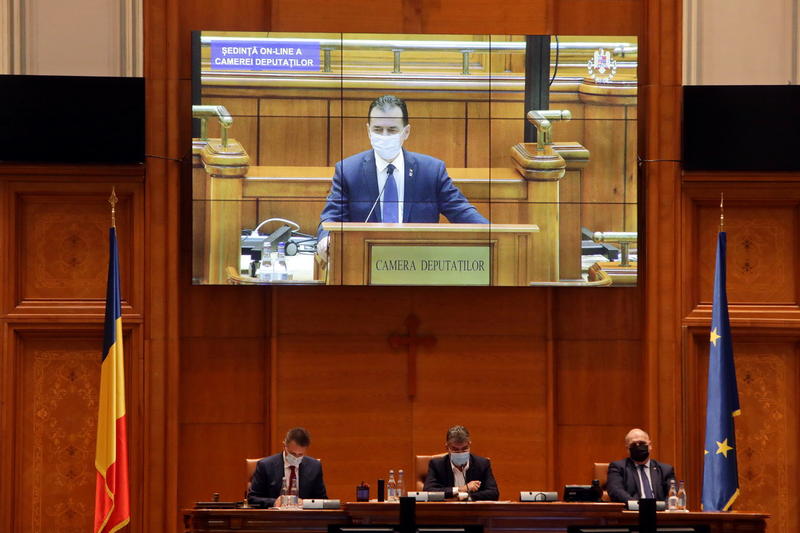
{"x":258,"y":55}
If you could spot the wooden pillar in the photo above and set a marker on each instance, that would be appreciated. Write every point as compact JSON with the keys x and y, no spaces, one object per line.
{"x":225,"y":167}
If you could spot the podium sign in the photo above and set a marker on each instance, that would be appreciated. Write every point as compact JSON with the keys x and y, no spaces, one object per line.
{"x":430,"y":265}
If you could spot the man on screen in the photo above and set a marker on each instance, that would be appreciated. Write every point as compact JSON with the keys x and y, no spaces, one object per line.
{"x":292,"y":464}
{"x":388,"y":184}
{"x":638,"y":476}
{"x":460,"y":474}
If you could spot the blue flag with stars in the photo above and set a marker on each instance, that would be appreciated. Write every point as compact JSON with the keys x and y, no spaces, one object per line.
{"x":720,"y":473}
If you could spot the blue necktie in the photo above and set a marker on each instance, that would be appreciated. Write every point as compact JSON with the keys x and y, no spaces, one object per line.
{"x":389,"y":209}
{"x":648,"y":492}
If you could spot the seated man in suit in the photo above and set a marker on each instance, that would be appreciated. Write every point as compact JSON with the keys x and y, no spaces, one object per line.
{"x":638,"y":476}
{"x":292,"y":463}
{"x":460,"y":474}
{"x":389,"y":184}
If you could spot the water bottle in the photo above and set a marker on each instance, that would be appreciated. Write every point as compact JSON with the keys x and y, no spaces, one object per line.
{"x":672,"y":499}
{"x":279,"y":270}
{"x":264,"y":272}
{"x":283,"y":501}
{"x":294,"y":501}
{"x":681,"y":497}
{"x":401,"y":485}
{"x":391,"y":488}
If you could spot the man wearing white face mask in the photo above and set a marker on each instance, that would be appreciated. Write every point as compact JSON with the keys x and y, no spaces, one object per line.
{"x":392,"y":185}
{"x":292,"y":464}
{"x":460,"y":474}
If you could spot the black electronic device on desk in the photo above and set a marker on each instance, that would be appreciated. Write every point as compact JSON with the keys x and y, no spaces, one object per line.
{"x":583,"y":493}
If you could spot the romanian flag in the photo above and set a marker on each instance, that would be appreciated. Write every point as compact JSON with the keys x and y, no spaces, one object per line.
{"x":111,"y":507}
{"x":720,"y":472}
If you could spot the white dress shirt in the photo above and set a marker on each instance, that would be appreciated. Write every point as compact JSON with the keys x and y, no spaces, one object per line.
{"x":460,"y":479}
{"x":399,"y":179}
{"x":649,"y":479}
{"x":287,"y":472}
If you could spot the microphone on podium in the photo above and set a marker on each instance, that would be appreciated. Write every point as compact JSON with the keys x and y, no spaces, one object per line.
{"x":376,"y":201}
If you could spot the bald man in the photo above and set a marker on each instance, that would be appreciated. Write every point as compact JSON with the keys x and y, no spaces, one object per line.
{"x":639,"y":476}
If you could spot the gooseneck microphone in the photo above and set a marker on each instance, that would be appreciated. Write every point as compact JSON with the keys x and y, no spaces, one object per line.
{"x":376,"y":201}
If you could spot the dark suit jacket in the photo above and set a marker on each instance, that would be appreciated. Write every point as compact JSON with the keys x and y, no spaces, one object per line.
{"x":428,"y":191}
{"x":440,"y":477}
{"x":623,"y":480}
{"x":267,"y":480}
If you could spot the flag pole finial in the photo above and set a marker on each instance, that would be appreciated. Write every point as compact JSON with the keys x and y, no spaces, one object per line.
{"x":722,"y":211}
{"x":113,"y":201}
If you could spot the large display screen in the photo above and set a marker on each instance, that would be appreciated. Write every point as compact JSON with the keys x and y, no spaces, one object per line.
{"x":396,"y":159}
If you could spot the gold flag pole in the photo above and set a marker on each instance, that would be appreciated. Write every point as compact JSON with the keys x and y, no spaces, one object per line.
{"x":721,"y":212}
{"x":113,"y":201}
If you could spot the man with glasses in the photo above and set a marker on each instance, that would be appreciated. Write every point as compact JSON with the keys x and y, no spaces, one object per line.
{"x":638,"y":476}
{"x":460,"y":474}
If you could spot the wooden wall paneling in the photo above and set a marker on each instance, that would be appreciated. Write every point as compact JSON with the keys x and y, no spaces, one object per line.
{"x":60,"y":233}
{"x":762,"y":223}
{"x":167,"y":90}
{"x":604,"y":177}
{"x":632,"y":170}
{"x":604,"y":17}
{"x":767,"y":378}
{"x":245,"y":112}
{"x":659,"y":134}
{"x":184,"y":17}
{"x":224,"y":402}
{"x":291,"y":132}
{"x":53,"y":413}
{"x":489,"y":372}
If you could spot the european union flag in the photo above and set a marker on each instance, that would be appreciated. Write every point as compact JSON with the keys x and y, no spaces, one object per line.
{"x":720,"y":473}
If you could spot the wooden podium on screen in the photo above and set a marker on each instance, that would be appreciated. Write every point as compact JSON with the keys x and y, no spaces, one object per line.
{"x":430,"y":254}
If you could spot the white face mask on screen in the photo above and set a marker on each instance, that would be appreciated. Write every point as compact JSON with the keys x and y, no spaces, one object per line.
{"x":292,"y":460}
{"x":387,"y":146}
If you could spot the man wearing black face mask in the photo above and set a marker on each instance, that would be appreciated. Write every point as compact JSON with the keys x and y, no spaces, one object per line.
{"x":638,"y":476}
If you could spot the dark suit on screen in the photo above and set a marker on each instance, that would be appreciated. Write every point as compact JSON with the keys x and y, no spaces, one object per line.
{"x":623,"y":480}
{"x":440,"y":477}
{"x":267,"y":480}
{"x":428,"y":192}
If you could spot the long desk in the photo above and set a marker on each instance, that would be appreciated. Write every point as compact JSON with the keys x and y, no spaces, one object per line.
{"x":500,"y":517}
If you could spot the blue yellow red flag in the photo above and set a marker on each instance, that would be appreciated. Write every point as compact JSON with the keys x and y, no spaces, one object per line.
{"x":112,"y":507}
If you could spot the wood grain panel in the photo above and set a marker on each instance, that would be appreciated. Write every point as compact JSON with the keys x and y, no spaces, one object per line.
{"x":598,"y":314}
{"x":762,"y":232}
{"x":224,"y":381}
{"x":290,"y":132}
{"x":762,"y":252}
{"x":582,"y":446}
{"x":60,"y":234}
{"x":767,"y":375}
{"x":221,"y":311}
{"x":489,"y":384}
{"x":382,"y":16}
{"x":350,"y":393}
{"x":592,"y":371}
{"x":55,"y":424}
{"x":213,"y":460}
{"x":238,"y":15}
{"x":605,"y":17}
{"x":245,"y":122}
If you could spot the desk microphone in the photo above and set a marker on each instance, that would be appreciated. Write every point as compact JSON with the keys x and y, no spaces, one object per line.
{"x":376,"y":201}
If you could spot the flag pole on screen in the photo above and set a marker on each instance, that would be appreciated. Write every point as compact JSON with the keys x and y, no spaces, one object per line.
{"x":112,"y":508}
{"x":720,"y":470}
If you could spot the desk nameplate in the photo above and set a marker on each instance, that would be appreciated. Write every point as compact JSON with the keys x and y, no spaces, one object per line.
{"x":433,"y":264}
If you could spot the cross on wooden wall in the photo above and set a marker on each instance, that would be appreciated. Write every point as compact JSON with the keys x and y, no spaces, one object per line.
{"x":411,"y":341}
